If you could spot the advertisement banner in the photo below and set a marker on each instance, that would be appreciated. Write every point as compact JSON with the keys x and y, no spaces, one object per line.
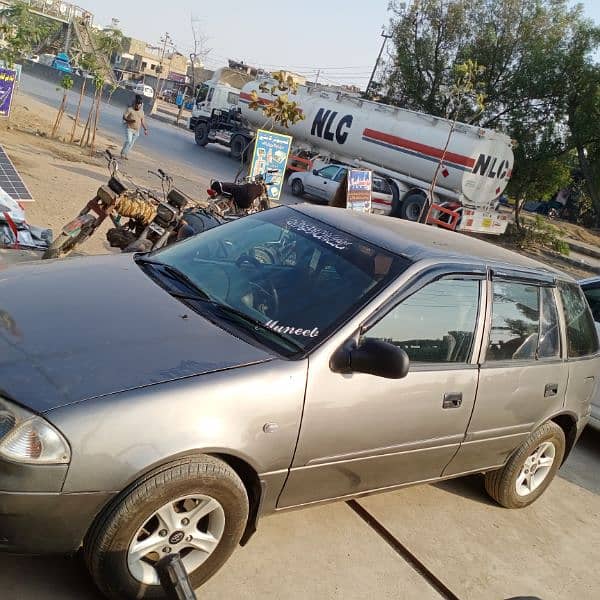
{"x":271,"y":151}
{"x":360,"y":184}
{"x":8,"y":78}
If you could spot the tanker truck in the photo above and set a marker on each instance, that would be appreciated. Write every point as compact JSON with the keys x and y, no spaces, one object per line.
{"x":405,"y":147}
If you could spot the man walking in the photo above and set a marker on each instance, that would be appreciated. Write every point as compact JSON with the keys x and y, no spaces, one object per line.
{"x":134,"y":120}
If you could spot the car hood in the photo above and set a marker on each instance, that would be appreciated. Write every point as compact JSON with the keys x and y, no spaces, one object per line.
{"x":77,"y":329}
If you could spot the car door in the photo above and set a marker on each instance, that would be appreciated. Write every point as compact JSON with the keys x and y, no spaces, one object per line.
{"x":324,"y":182}
{"x":360,"y":432}
{"x":523,"y":379}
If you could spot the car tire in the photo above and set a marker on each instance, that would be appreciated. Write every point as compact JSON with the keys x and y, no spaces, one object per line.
{"x":297,"y":188}
{"x":508,"y":486}
{"x":410,"y":208}
{"x":201,"y":133}
{"x":238,"y":149}
{"x":109,"y":549}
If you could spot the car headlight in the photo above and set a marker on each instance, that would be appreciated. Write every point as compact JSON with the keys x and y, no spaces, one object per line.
{"x":27,"y":438}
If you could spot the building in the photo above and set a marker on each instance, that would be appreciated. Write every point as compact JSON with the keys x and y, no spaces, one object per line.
{"x":140,"y":61}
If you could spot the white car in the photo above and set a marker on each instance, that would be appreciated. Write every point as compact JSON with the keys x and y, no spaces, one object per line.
{"x":323,"y":183}
{"x":141,"y":89}
{"x":591,"y":289}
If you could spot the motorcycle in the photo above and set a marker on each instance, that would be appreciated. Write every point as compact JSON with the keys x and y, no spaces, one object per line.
{"x":173,"y":220}
{"x":112,"y":200}
{"x":235,"y":200}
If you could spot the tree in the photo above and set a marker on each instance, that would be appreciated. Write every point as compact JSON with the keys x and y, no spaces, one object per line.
{"x":540,"y":83}
{"x":66,"y":84}
{"x":281,"y":110}
{"x":23,"y":31}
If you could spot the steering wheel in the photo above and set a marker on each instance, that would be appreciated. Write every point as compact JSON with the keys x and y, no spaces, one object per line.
{"x":265,"y":299}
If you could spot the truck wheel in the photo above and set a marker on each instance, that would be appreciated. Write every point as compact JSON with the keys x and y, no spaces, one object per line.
{"x":411,"y":208}
{"x":196,"y":506}
{"x":530,"y":470}
{"x":297,"y":188}
{"x":238,"y":148}
{"x":201,"y":133}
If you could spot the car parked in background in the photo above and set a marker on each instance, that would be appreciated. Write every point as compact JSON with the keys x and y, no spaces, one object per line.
{"x":591,"y":289}
{"x":62,"y":63}
{"x":323,"y":183}
{"x":296,"y":356}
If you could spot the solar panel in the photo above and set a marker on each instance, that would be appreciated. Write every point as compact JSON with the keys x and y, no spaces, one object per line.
{"x":10,"y":180}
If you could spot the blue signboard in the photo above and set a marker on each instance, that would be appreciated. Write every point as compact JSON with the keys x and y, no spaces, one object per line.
{"x":271,"y":151}
{"x":360,"y":183}
{"x":8,"y":79}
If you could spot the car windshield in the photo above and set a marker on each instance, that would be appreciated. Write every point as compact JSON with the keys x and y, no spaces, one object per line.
{"x":286,"y":278}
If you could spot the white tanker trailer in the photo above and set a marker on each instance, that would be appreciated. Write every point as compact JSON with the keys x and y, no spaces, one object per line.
{"x":403,"y":146}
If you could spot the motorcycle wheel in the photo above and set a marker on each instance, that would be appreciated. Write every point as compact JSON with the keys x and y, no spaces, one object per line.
{"x":62,"y":246}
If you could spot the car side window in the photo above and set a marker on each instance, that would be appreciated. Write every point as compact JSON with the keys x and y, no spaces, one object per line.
{"x":328,"y":172}
{"x":341,"y":174}
{"x":515,"y":322}
{"x":582,"y":339}
{"x":434,"y":325}
{"x":592,"y":295}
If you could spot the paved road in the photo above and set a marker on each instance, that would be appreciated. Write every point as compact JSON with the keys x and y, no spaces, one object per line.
{"x":165,"y":142}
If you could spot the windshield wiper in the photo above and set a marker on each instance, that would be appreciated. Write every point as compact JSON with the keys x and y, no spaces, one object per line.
{"x":228,"y":311}
{"x":179,"y":276}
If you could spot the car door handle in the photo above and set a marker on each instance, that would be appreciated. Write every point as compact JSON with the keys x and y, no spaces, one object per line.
{"x":551,"y":390}
{"x":452,"y":400}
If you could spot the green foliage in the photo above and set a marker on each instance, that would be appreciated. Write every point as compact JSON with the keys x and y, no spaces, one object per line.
{"x":281,"y":110}
{"x":67,"y":83}
{"x":536,"y":233}
{"x":23,"y":31}
{"x":540,"y":84}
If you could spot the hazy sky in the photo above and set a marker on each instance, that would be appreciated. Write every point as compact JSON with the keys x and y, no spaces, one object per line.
{"x":340,"y":37}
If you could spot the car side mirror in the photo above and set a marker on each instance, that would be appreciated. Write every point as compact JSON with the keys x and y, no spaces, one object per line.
{"x":372,"y":357}
{"x":315,"y":172}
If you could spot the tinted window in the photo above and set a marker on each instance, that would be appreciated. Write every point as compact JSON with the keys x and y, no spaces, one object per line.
{"x":340,"y":175}
{"x":436,"y":324}
{"x":549,"y":346}
{"x":328,"y":172}
{"x":233,"y":98}
{"x":381,"y":186}
{"x":593,"y":297}
{"x":582,"y":339}
{"x":297,"y":277}
{"x":515,"y":322}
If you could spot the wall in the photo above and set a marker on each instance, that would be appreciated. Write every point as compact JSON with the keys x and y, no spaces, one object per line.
{"x":120,"y":97}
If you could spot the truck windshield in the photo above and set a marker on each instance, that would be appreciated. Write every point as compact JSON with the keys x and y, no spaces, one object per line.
{"x":296,"y":277}
{"x":202,"y":93}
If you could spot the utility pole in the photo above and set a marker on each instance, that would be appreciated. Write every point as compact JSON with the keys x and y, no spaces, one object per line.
{"x":386,"y":37}
{"x":166,"y":40}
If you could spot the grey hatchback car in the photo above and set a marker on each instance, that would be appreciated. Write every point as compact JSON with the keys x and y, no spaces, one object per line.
{"x":162,"y":403}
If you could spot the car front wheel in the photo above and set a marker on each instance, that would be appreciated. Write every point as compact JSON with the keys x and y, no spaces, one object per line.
{"x":196,"y":507}
{"x":530,"y":470}
{"x":297,"y":188}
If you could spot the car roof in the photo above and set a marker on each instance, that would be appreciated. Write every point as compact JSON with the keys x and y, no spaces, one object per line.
{"x":419,"y":242}
{"x":589,"y":281}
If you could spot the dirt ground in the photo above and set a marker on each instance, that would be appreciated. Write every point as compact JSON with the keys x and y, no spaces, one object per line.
{"x":63,"y":177}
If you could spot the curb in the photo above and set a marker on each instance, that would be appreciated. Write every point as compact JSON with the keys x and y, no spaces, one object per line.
{"x":169,"y":121}
{"x":580,"y":264}
{"x":577,"y":247}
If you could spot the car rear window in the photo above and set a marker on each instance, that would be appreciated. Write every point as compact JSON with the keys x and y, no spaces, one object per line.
{"x":582,"y":339}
